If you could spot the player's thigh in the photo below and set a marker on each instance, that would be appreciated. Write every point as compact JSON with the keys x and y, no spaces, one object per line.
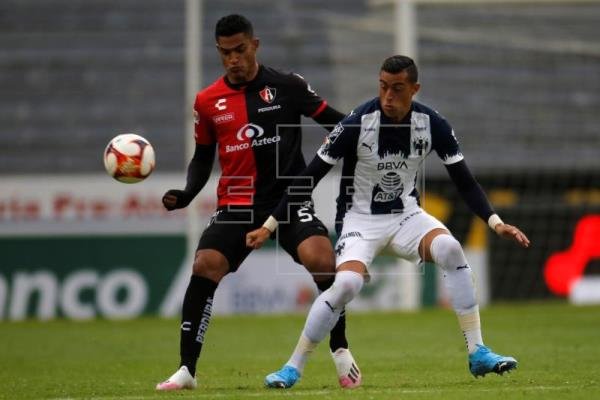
{"x":361,"y":239}
{"x":226,"y":234}
{"x":305,"y":233}
{"x":316,"y":254}
{"x":412,"y":228}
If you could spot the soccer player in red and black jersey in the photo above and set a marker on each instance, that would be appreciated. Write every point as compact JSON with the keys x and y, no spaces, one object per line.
{"x":251,"y":116}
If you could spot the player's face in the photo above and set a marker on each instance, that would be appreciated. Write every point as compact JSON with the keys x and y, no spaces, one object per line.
{"x":238,"y":54}
{"x":396,"y":93}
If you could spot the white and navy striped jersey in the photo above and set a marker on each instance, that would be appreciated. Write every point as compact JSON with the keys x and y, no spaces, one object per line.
{"x":382,"y":158}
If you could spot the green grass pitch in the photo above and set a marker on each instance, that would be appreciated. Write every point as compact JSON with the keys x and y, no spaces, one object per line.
{"x":402,"y":356}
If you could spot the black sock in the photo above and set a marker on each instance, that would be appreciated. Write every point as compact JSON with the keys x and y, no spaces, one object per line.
{"x":195,"y":316}
{"x":337,"y":336}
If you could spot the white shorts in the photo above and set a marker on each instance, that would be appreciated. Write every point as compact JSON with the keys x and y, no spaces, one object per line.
{"x":363,"y":236}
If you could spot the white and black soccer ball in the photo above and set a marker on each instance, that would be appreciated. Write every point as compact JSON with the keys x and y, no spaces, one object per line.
{"x":129,"y":158}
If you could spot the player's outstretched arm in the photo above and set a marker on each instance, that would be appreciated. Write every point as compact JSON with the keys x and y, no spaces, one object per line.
{"x":197,"y":175}
{"x":475,"y":197}
{"x":307,"y":179}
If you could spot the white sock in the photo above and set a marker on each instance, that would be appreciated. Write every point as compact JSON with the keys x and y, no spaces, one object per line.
{"x":447,"y":253}
{"x":471,"y":328}
{"x":323,"y":315}
{"x":303,"y":350}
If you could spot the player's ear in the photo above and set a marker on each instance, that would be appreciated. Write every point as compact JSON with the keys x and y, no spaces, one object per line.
{"x":255,"y":43}
{"x":416,"y":88}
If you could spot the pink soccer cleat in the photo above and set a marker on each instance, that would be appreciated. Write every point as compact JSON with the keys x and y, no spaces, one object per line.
{"x":182,"y":379}
{"x":348,"y":373}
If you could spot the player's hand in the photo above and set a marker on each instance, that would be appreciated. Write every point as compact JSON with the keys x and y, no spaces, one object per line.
{"x":174,"y":199}
{"x":512,"y":232}
{"x":257,"y":237}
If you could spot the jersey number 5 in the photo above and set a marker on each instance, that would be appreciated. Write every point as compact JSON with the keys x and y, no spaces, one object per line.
{"x":304,"y":214}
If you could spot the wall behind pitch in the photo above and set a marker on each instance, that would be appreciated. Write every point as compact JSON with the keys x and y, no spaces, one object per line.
{"x":85,"y":247}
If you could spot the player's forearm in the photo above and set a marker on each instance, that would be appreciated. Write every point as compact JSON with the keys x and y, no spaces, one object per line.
{"x":478,"y":202}
{"x":470,"y":190}
{"x":300,"y":191}
{"x":199,"y":168}
{"x":328,"y":118}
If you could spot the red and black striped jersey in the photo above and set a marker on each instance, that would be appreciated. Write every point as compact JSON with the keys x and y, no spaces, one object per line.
{"x":257,"y":131}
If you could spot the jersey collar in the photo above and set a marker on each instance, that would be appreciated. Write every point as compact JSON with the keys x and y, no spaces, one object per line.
{"x":405,"y":121}
{"x":244,"y":85}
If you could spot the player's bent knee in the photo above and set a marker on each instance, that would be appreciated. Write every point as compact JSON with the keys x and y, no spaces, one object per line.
{"x":447,"y":252}
{"x":322,"y":267}
{"x":347,"y":285}
{"x":210,"y":264}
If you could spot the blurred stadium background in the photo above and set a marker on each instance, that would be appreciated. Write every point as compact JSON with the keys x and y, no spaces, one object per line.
{"x":518,"y":80}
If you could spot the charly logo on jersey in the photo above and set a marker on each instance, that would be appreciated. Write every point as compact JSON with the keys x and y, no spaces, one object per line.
{"x":250,"y":135}
{"x":268,"y":94}
{"x":220,"y":104}
{"x":389,"y":188}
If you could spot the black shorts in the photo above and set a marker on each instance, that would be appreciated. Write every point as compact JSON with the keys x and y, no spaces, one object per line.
{"x":227,"y":229}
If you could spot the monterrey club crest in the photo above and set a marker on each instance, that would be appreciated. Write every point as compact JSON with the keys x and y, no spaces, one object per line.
{"x":268,"y":94}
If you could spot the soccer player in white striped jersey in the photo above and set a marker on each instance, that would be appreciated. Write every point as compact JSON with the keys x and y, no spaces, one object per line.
{"x":383,"y":143}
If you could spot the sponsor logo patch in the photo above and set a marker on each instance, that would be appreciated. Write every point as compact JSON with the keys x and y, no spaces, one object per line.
{"x":333,"y":135}
{"x":250,"y":135}
{"x":351,"y":234}
{"x":270,"y":108}
{"x":249,"y":131}
{"x":222,"y":118}
{"x":220,"y":104}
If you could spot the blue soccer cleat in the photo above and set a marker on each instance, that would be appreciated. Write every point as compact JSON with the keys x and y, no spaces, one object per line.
{"x":484,"y":361}
{"x":285,"y":378}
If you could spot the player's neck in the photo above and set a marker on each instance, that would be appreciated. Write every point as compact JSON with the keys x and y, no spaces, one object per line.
{"x":247,"y":79}
{"x":398,"y":115}
{"x":394,"y":118}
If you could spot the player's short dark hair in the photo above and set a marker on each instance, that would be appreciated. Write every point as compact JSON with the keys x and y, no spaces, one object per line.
{"x":397,"y":64}
{"x":230,"y":25}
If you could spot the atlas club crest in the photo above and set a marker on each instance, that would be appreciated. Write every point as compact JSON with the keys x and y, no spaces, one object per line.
{"x":268,"y":94}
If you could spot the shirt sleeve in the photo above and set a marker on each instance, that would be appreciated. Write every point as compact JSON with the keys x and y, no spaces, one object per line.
{"x":342,"y":140}
{"x":309,"y":103}
{"x":444,"y":140}
{"x":300,"y":191}
{"x":203,"y":131}
{"x":470,"y":190}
